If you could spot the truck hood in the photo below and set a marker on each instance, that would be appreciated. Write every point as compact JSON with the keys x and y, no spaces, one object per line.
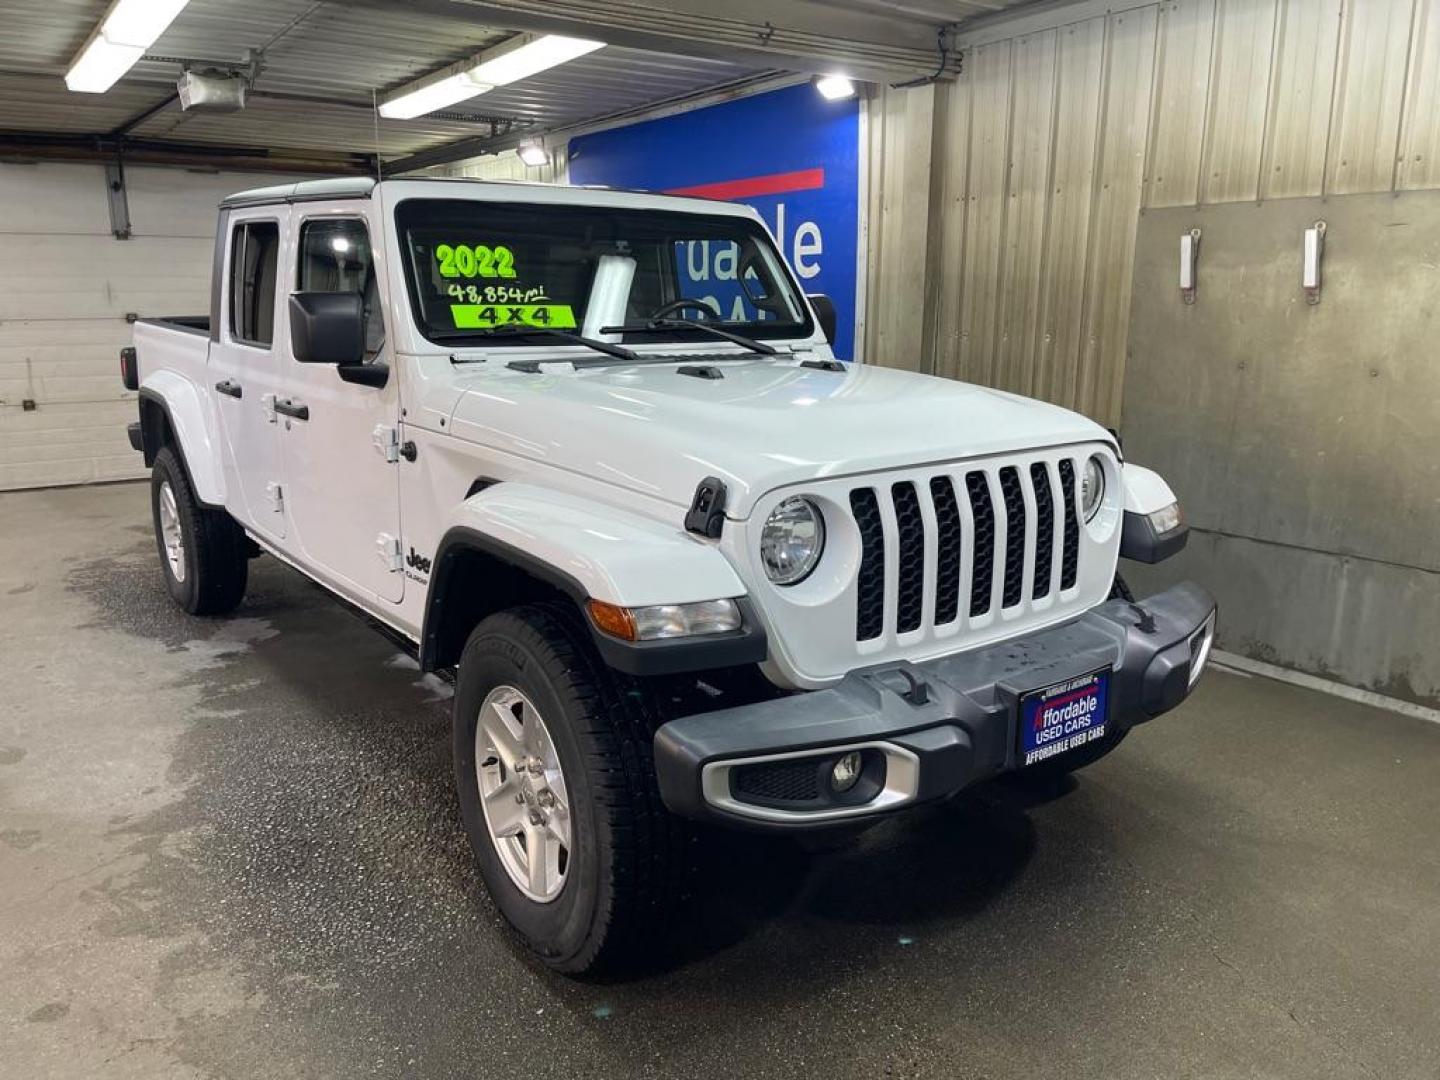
{"x":765,"y":424}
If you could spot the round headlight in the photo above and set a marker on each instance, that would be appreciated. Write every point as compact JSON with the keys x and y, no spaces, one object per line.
{"x":791,"y":542}
{"x":1092,"y":486}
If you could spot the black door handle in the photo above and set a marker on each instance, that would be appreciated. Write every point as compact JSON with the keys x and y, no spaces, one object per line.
{"x":230,"y":388}
{"x":293,"y":409}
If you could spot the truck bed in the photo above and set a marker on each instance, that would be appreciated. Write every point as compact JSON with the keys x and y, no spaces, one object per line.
{"x":174,"y":348}
{"x":190,"y":324}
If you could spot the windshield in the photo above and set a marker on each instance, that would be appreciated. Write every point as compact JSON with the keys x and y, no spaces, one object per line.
{"x":474,"y":266}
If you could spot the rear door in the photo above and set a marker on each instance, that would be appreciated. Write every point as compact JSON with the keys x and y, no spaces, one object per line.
{"x":245,"y":367}
{"x":343,"y":485}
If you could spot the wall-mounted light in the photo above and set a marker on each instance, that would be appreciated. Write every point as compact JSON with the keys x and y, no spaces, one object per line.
{"x":127,"y":30}
{"x":834,"y":87}
{"x":533,"y":153}
{"x":1189,"y":264}
{"x":519,"y":58}
{"x":1314,"y":252}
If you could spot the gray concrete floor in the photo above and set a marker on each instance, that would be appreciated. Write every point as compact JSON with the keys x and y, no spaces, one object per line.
{"x":230,"y":848}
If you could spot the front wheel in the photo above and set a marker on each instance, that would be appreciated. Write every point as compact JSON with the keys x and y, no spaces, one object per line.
{"x":202,"y":550}
{"x":557,"y":792}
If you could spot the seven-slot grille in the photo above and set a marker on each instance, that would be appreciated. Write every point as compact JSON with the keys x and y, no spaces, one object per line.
{"x":1011,"y":523}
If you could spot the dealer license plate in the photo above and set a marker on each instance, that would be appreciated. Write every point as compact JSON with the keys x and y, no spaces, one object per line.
{"x":1064,"y":716}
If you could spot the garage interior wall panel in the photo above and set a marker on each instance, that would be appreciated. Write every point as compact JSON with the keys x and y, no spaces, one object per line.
{"x":1374,"y":59}
{"x":1419,"y":165}
{"x":1184,"y":54}
{"x":1240,"y":73}
{"x":950,"y":203}
{"x":1277,"y":422}
{"x":899,"y":198}
{"x":1124,"y":125}
{"x":1301,"y":438}
{"x":1301,"y":97}
{"x":1032,"y":103}
{"x":1187,"y":102}
{"x":66,"y":287}
{"x":990,"y":130}
{"x":1070,"y":196}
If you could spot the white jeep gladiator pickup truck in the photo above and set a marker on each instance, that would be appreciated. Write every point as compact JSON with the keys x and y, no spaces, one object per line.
{"x":591,"y":452}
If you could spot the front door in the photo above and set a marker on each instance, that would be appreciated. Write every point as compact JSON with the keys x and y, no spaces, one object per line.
{"x":342,"y":487}
{"x":245,"y":369}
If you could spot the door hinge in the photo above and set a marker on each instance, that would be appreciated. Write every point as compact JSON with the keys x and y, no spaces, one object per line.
{"x":387,"y":441}
{"x":276,"y":494}
{"x":387,"y":547}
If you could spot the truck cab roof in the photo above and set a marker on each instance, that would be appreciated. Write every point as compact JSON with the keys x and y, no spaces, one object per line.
{"x":363,"y":187}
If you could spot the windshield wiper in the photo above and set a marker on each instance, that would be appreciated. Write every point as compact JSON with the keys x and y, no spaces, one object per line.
{"x":653,"y":325}
{"x":619,"y":352}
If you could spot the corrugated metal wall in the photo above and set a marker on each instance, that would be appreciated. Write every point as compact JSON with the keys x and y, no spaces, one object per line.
{"x":1041,"y":156}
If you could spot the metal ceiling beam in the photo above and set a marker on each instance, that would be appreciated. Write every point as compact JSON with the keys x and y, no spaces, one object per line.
{"x":37,"y":146}
{"x":479,"y":145}
{"x":798,"y":35}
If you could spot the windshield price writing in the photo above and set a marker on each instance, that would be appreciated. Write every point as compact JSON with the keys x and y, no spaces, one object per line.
{"x":484,"y":316}
{"x":462,"y":260}
{"x":496,"y":294}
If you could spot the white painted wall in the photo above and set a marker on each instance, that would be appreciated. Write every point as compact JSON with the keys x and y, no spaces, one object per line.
{"x":66,"y":285}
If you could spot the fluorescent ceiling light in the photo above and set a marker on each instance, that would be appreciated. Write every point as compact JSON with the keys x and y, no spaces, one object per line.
{"x":512,"y":62}
{"x":127,"y":30}
{"x":834,"y":87}
{"x":140,"y":22}
{"x":518,"y":58}
{"x":431,"y":97}
{"x":99,"y":64}
{"x":533,"y":154}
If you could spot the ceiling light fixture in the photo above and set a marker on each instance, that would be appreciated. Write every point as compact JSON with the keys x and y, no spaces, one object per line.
{"x":519,"y":58}
{"x":834,"y":87}
{"x":127,"y":30}
{"x":533,"y":153}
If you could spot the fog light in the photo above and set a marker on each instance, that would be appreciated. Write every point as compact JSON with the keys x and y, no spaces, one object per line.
{"x":846,"y":772}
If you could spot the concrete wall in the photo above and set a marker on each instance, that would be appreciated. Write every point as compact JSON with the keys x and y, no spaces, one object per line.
{"x":1024,"y":225}
{"x":1050,"y":162}
{"x":1304,"y":440}
{"x":1068,"y":120}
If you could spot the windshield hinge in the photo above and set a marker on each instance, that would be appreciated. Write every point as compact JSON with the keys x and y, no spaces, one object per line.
{"x":387,"y":441}
{"x":707,"y":509}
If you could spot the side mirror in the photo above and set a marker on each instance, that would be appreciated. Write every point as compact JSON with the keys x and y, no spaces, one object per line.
{"x":327,"y":327}
{"x":825,"y":312}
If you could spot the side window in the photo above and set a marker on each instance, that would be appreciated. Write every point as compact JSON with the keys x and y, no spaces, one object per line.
{"x":335,"y":257}
{"x":254,"y":261}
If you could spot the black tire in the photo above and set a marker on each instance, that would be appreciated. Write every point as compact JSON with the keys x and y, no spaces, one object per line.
{"x":627,"y":866}
{"x":215,"y":568}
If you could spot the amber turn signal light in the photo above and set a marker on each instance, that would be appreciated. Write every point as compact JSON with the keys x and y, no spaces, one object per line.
{"x":612,"y":619}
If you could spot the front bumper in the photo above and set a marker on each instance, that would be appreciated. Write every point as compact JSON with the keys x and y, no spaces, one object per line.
{"x":926,"y":730}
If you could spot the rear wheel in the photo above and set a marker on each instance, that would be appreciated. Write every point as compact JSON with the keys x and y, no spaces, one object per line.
{"x":202,"y":550}
{"x":558,"y":795}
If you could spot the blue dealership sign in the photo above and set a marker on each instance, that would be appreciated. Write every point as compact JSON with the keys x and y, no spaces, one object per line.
{"x":790,"y":154}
